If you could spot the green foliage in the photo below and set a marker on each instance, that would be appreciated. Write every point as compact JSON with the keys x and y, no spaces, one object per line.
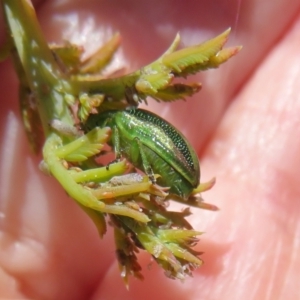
{"x":55,"y":84}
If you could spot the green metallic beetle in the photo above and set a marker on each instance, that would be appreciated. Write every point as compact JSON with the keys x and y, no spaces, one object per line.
{"x":152,"y":145}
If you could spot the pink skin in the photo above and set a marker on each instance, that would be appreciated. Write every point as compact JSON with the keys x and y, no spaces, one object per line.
{"x":245,"y":125}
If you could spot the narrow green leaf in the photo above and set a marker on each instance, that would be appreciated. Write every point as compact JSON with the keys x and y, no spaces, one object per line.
{"x":86,"y":146}
{"x":180,"y":60}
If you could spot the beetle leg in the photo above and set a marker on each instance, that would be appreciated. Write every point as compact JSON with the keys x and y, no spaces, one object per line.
{"x":146,"y":166}
{"x":116,"y":143}
{"x":117,"y":148}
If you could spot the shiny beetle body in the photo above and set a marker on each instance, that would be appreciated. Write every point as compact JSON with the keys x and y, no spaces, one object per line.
{"x":152,"y":145}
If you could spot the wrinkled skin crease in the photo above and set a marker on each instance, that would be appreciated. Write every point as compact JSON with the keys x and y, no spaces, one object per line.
{"x":244,"y":125}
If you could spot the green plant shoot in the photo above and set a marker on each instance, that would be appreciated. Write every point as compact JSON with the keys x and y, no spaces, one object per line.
{"x":55,"y":82}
